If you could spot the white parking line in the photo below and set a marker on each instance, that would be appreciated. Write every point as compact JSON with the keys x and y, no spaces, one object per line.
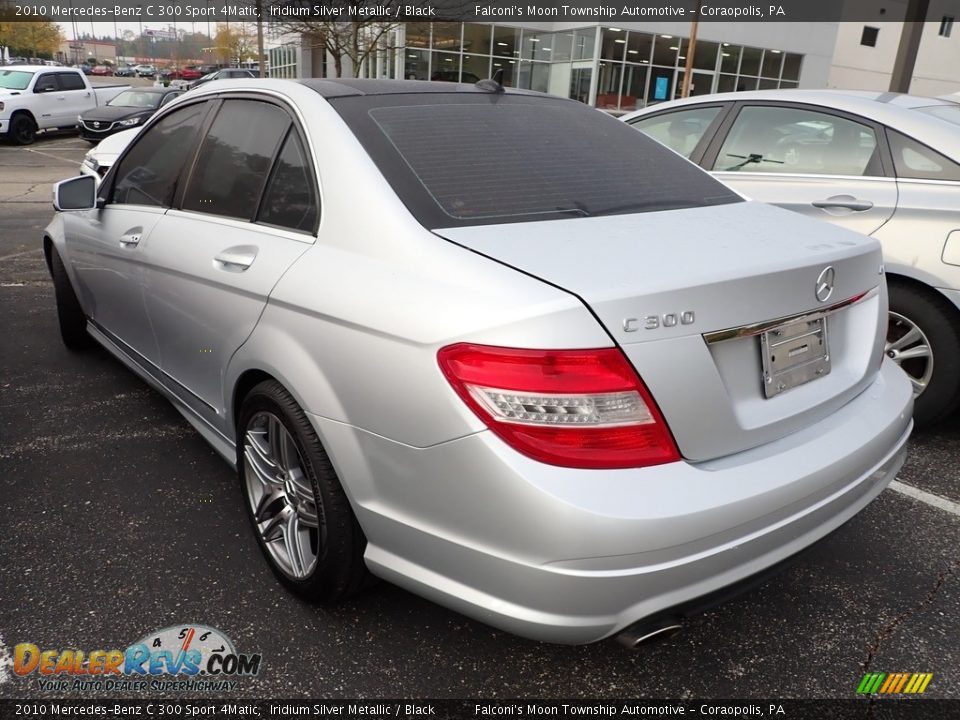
{"x":54,"y":157}
{"x":941,"y":503}
{"x":19,"y":254}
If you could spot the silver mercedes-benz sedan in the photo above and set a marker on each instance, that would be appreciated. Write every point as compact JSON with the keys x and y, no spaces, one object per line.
{"x":492,"y":346}
{"x":882,"y":164}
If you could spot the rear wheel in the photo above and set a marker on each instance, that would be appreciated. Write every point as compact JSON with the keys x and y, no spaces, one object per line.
{"x":70,"y":316}
{"x":23,"y":130}
{"x":300,"y":514}
{"x":923,"y":338}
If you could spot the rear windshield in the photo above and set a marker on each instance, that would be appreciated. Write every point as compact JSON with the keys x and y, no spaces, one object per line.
{"x":463,"y":159}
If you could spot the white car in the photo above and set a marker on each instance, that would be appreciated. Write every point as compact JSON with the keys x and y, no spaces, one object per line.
{"x":99,"y":159}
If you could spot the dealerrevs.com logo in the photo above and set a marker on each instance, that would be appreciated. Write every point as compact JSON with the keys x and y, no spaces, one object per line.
{"x":186,"y":658}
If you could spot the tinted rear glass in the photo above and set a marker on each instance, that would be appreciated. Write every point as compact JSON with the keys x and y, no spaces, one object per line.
{"x":464,"y":159}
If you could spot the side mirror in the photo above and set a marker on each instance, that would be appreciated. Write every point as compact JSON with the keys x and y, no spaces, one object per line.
{"x":79,"y":193}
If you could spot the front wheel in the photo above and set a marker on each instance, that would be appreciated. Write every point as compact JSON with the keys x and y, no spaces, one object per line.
{"x":23,"y":130}
{"x":923,"y":338}
{"x":300,"y":514}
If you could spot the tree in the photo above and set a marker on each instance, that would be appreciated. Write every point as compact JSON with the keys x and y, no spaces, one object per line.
{"x":356,"y":41}
{"x":40,"y":38}
{"x":235,"y":42}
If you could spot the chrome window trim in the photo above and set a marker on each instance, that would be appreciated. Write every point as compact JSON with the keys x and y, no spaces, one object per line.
{"x":304,"y":236}
{"x":754,"y":329}
{"x":810,"y":176}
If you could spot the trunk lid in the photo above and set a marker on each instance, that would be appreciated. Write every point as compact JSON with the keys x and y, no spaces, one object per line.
{"x":660,"y":282}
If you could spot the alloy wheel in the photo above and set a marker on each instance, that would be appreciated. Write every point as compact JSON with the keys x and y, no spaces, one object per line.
{"x":281,"y":498}
{"x":908,"y":347}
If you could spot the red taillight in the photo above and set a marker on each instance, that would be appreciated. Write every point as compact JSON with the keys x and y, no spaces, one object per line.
{"x":574,"y":408}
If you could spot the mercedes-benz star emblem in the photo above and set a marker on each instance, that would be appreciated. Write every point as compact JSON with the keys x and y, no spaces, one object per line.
{"x":825,"y":284}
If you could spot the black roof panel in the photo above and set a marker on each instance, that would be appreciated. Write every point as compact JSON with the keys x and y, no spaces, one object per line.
{"x":344,"y":87}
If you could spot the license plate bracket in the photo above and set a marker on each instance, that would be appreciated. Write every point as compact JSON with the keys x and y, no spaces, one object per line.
{"x":794,"y":354}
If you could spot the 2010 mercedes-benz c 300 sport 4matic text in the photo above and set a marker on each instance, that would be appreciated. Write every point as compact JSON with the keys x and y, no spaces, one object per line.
{"x":492,"y":346}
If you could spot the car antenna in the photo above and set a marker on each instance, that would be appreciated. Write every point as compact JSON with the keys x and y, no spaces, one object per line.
{"x":492,"y":84}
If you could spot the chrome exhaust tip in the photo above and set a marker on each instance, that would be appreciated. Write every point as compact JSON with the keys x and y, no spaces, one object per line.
{"x":645,"y":633}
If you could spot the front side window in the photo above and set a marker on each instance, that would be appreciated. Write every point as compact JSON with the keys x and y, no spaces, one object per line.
{"x":291,"y":197}
{"x":916,"y":161}
{"x":798,"y":141}
{"x":46,"y":83}
{"x":680,"y":131}
{"x":235,"y":159}
{"x":149,"y":173}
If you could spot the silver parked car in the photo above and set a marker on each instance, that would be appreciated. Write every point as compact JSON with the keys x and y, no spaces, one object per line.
{"x":495,"y":347}
{"x":882,"y":164}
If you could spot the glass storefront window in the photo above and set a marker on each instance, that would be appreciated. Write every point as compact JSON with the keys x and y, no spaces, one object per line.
{"x":417,"y":35}
{"x":791,"y":66}
{"x":562,"y":45}
{"x":705,"y":55}
{"x":750,"y":61}
{"x":445,"y":67}
{"x":584,"y":42}
{"x":638,"y":47}
{"x":416,"y":64}
{"x":767,"y":84}
{"x":475,"y":67}
{"x":446,"y":36}
{"x":746,"y":83}
{"x":634,"y":82}
{"x":660,"y":85}
{"x":665,"y":49}
{"x":477,"y":38}
{"x":533,"y":75}
{"x":613,"y":43}
{"x":580,"y":84}
{"x":772,"y":60}
{"x":729,"y":58}
{"x":506,"y":41}
{"x":536,"y":46}
{"x":509,"y":71}
{"x":726,"y":83}
{"x":608,"y":85}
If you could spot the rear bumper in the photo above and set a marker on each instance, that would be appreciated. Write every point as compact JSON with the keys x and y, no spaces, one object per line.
{"x":574,"y":556}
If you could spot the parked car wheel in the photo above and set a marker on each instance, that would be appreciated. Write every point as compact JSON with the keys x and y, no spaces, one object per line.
{"x":23,"y":130}
{"x":923,"y":338}
{"x":299,"y":511}
{"x":73,"y":323}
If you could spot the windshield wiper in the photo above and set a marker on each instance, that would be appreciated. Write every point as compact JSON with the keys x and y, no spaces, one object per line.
{"x":751,"y":158}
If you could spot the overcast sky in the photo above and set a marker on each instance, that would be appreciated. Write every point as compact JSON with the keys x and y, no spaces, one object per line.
{"x":100,"y":29}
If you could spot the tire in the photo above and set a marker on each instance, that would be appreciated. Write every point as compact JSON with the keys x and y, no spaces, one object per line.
{"x":72,"y":321}
{"x":932,"y":325}
{"x":324,"y":560}
{"x":23,"y":130}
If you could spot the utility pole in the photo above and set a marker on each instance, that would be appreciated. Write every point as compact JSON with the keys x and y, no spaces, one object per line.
{"x":909,"y":45}
{"x":260,"y":61}
{"x":691,"y":51}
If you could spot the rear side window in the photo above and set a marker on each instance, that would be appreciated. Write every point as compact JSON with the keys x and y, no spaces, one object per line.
{"x":918,"y":162}
{"x":235,"y":159}
{"x":149,"y":173}
{"x":463,"y":159}
{"x":71,"y":81}
{"x":291,"y":197}
{"x":680,"y":131}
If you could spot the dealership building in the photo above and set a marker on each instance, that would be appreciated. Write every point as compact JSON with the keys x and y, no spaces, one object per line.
{"x":617,"y":68}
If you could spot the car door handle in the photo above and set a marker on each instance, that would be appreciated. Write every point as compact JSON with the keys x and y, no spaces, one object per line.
{"x":130,"y":239}
{"x":236,"y":259}
{"x":844,"y":201}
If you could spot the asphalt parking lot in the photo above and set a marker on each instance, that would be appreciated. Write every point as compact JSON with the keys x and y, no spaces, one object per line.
{"x":120,"y":520}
